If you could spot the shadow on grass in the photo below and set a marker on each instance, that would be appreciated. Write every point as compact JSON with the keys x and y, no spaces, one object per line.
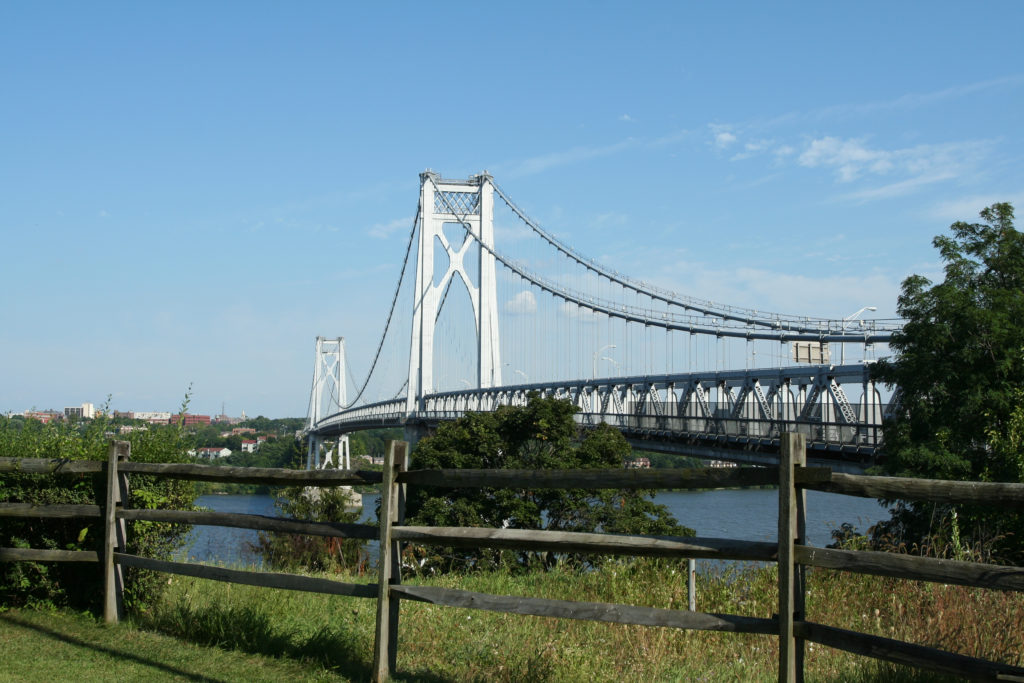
{"x":119,"y":654}
{"x":249,"y":629}
{"x":882,"y":672}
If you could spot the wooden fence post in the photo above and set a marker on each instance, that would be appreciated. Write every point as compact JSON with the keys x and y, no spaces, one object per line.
{"x":114,"y":533}
{"x":791,"y":529}
{"x":392,"y":509}
{"x":691,"y":584}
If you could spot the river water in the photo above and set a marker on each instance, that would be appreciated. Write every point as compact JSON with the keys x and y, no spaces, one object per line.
{"x":742,"y":514}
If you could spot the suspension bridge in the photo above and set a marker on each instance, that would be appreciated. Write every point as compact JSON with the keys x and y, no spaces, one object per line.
{"x":490,"y":307}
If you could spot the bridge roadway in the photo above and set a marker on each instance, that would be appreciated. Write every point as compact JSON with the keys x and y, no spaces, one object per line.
{"x":734,"y":416}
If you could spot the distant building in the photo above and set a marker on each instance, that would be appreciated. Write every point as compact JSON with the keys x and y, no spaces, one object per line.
{"x":152,"y":417}
{"x":211,"y":452}
{"x":188,"y":419}
{"x":44,"y":416}
{"x":638,"y":464}
{"x":128,"y":429}
{"x":249,"y":445}
{"x":242,"y":430}
{"x":717,"y":464}
{"x":86,"y":411}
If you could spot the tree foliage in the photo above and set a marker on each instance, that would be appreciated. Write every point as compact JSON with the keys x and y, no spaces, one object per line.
{"x":292,"y":552}
{"x":541,"y":435}
{"x":69,"y":583}
{"x":959,"y":365}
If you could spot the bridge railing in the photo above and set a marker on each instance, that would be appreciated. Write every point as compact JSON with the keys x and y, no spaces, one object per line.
{"x":790,"y":552}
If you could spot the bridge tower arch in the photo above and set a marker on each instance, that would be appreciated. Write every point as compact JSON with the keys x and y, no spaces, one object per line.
{"x":469,"y":203}
{"x":326,"y":397}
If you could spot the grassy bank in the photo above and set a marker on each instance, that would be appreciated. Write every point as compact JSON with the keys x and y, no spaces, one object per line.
{"x":68,"y":646}
{"x":330,"y":638}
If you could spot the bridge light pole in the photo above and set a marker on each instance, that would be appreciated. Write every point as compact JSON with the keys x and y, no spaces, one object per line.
{"x":846,"y":323}
{"x":593,"y":369}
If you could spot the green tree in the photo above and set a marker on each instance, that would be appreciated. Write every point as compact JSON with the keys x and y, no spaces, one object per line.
{"x":542,"y":435}
{"x":314,"y":553}
{"x":959,"y":366}
{"x":36,"y":583}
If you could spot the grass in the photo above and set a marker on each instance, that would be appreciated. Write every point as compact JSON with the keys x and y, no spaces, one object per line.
{"x":66,"y":646}
{"x":205,"y":630}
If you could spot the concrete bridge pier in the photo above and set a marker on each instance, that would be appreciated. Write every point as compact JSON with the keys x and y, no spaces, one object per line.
{"x":414,"y":431}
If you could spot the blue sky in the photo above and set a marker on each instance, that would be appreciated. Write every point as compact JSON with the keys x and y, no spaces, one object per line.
{"x":191,"y":192}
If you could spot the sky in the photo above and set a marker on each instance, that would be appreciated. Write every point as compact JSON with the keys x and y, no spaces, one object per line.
{"x":191,"y":192}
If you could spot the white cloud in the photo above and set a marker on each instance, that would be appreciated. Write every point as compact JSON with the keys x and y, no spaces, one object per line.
{"x":967,"y":208}
{"x":908,"y":101}
{"x":385,"y":230}
{"x":524,"y":302}
{"x":626,"y":117}
{"x":723,"y":138}
{"x":924,"y":164}
{"x":544,"y":162}
{"x":753,"y":148}
{"x":782,"y":291}
{"x":850,"y":157}
{"x":915,"y":100}
{"x":898,"y":189}
{"x":722,"y":135}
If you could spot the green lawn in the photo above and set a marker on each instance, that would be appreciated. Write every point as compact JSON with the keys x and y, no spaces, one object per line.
{"x":67,"y":646}
{"x":209,"y":631}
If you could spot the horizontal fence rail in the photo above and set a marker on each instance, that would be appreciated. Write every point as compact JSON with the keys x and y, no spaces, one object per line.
{"x":588,"y":611}
{"x":50,"y":511}
{"x":259,"y":522}
{"x":790,"y":552}
{"x":923,"y":490}
{"x":601,"y":479}
{"x":51,"y":466}
{"x":46,"y":555}
{"x":578,"y":542}
{"x":913,"y":567}
{"x":254,"y":475}
{"x":294,"y":582}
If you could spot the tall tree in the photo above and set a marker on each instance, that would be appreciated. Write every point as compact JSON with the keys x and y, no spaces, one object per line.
{"x":541,"y":435}
{"x":959,"y":365}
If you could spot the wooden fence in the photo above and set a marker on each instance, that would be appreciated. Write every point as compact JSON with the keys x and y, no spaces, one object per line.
{"x":791,"y":552}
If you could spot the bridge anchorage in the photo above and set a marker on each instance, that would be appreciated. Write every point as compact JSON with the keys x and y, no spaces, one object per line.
{"x":688,"y":377}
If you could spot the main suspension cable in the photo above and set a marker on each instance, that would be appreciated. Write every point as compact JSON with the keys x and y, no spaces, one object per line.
{"x":391,"y":312}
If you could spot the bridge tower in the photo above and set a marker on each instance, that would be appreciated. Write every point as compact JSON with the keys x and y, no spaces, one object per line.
{"x":469,"y":203}
{"x":327,"y":397}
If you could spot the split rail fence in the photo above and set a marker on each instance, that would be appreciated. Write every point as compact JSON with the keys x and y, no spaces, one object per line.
{"x":791,"y":552}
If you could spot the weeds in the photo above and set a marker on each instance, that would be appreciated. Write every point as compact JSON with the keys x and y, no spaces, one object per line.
{"x":439,"y":643}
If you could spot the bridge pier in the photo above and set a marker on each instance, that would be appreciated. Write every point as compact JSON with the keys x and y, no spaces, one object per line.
{"x":414,"y":431}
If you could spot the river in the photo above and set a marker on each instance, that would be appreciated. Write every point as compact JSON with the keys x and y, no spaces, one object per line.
{"x":742,"y":514}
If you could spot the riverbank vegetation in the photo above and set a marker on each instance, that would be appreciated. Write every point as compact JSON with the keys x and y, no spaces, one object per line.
{"x":65,"y":584}
{"x":316,"y":637}
{"x":542,"y":435}
{"x":959,"y":366}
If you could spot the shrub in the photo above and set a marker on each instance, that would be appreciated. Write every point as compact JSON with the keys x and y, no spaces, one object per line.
{"x":75,"y":584}
{"x":314,"y":553}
